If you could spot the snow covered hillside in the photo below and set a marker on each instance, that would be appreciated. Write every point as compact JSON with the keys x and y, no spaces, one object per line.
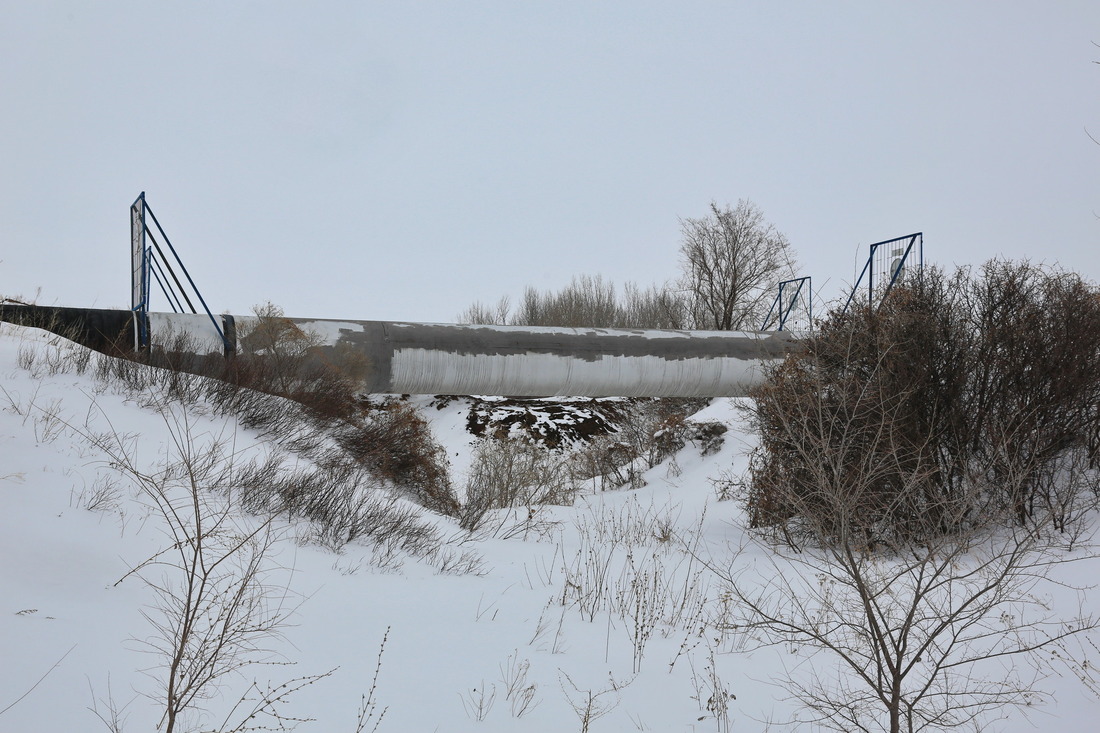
{"x":613,"y":614}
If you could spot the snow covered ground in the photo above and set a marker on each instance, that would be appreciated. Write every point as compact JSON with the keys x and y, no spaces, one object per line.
{"x":605,"y":609}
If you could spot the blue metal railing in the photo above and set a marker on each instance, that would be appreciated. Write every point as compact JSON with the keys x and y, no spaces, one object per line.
{"x":786,"y":301}
{"x":892,"y":257}
{"x":152,"y":261}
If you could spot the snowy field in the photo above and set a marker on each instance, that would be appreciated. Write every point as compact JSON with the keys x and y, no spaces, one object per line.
{"x":603,"y":616}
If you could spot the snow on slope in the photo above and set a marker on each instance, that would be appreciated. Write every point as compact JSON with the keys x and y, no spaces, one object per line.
{"x":456,"y":643}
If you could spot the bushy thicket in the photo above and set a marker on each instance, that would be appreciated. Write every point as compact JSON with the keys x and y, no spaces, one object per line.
{"x":962,"y":399}
{"x":588,"y":301}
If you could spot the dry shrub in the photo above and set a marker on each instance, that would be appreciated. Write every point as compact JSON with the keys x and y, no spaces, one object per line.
{"x":391,"y":439}
{"x":1035,"y":371}
{"x":514,"y":473}
{"x":277,"y":356}
{"x":650,"y":430}
{"x":658,"y":428}
{"x":396,"y":443}
{"x":961,"y":399}
{"x":344,"y":503}
{"x":608,"y":463}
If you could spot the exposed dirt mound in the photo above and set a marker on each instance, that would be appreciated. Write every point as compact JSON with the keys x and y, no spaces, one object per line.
{"x":553,"y":422}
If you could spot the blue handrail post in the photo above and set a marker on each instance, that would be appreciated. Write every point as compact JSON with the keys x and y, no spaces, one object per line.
{"x":782,"y":306}
{"x":144,"y":262}
{"x":894,"y":269}
{"x":139,"y":274}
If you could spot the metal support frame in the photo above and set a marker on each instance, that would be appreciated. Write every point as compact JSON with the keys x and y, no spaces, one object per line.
{"x":785,"y":303}
{"x":151,"y":263}
{"x":139,"y":274}
{"x":892,"y":257}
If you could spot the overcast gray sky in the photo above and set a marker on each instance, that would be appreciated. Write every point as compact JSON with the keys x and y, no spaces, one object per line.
{"x":398,"y":161}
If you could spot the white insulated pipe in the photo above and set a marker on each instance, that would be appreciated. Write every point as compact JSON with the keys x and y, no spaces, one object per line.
{"x":518,"y":361}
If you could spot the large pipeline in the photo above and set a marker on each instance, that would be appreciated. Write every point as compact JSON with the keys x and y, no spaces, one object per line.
{"x":426,"y":358}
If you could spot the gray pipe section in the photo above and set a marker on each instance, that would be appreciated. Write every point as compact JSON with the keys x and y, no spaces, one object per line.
{"x":428,"y":358}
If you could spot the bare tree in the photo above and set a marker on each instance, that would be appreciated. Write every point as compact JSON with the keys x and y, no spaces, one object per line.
{"x":927,"y":633}
{"x":487,"y":315}
{"x":927,"y":605}
{"x":216,"y":607}
{"x":932,"y":638}
{"x":731,"y":261}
